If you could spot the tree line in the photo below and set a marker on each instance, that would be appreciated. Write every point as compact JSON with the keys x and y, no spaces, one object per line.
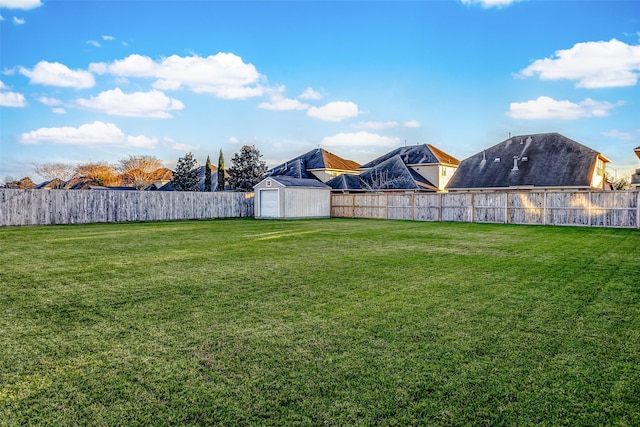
{"x":142,"y":171}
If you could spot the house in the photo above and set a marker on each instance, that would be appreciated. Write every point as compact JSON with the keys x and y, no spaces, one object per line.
{"x":420,"y":167}
{"x":546,"y":161}
{"x":316,"y":164}
{"x":635,"y":178}
{"x":282,"y":196}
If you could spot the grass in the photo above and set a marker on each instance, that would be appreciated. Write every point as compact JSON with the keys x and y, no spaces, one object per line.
{"x":319,"y":322}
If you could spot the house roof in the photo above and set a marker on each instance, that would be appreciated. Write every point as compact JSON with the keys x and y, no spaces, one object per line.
{"x":318,"y":158}
{"x":289,"y":181}
{"x":540,"y":160}
{"x":391,"y":174}
{"x":422,"y":154}
{"x":637,"y":151}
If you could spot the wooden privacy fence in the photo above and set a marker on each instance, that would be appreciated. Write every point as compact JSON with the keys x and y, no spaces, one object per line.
{"x":583,"y":208}
{"x":43,"y":207}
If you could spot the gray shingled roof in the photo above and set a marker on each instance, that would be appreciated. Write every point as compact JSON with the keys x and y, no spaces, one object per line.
{"x":542,"y":160}
{"x":318,"y":158}
{"x":391,"y":174}
{"x":422,"y":154}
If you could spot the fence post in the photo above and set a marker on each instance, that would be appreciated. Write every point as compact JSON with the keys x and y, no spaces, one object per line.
{"x":413,"y":206}
{"x":589,"y":208}
{"x":506,"y":208}
{"x":638,"y":206}
{"x":473,"y":207}
{"x":544,"y":209}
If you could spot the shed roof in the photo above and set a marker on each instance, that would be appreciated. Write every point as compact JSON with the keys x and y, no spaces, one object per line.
{"x":289,"y":181}
{"x":539,"y":160}
{"x":422,"y":154}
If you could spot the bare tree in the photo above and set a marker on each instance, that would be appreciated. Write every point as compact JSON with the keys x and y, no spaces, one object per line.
{"x":52,"y":171}
{"x":622,"y":183}
{"x":101,"y":173}
{"x":378,"y":180}
{"x":139,"y":171}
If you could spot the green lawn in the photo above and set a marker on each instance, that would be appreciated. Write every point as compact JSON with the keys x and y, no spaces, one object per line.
{"x":319,"y":322}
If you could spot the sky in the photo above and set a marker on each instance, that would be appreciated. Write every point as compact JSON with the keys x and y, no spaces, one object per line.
{"x":102,"y":80}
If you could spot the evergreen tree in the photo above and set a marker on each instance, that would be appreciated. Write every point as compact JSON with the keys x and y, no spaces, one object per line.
{"x":207,"y":175}
{"x":247,"y":169}
{"x":221,"y":178}
{"x":185,"y":177}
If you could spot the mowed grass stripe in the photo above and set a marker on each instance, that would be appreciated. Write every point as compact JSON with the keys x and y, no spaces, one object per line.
{"x":337,"y":322}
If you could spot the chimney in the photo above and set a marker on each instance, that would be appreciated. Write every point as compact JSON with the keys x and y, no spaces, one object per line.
{"x":515,"y":163}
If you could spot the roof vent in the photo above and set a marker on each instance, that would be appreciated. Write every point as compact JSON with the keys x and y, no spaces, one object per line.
{"x":515,"y":163}
{"x":484,"y":156}
{"x":496,"y":160}
{"x":525,"y":159}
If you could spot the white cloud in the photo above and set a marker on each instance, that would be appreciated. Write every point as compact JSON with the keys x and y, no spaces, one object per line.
{"x":359,"y":139}
{"x":94,"y":43}
{"x":373,"y":125}
{"x":50,"y":102}
{"x":311,"y":94}
{"x":279,"y":103}
{"x":224,"y":75}
{"x":153,"y":104}
{"x":12,"y":99}
{"x":545,"y":107}
{"x":92,"y":134}
{"x":186,"y":148}
{"x":1,"y":18}
{"x":20,"y":4}
{"x":411,"y":124}
{"x":489,"y":3}
{"x":334,"y":111}
{"x":234,"y":140}
{"x":108,"y":38}
{"x":622,"y":135}
{"x":9,"y":98}
{"x":55,"y":104}
{"x":592,"y":65}
{"x":56,"y":74}
{"x":18,"y":21}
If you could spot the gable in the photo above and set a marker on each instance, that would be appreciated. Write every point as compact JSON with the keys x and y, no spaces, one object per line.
{"x":422,"y":154}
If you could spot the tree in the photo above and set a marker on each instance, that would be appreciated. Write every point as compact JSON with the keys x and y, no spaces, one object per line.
{"x":185,"y":177}
{"x":221,"y":178}
{"x":100,"y":173}
{"x":139,"y":171}
{"x":622,"y":183}
{"x":207,"y":175}
{"x":55,"y":171}
{"x":378,"y":180}
{"x":247,"y":169}
{"x":23,"y":184}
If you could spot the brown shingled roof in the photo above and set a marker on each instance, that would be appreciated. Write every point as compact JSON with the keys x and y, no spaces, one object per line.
{"x":331,"y":161}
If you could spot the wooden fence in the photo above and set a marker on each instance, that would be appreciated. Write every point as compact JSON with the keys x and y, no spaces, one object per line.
{"x":582,"y":208}
{"x":43,"y":207}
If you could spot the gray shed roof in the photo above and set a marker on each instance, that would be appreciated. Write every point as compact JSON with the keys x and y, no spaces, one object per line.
{"x":540,"y":160}
{"x":288,"y":181}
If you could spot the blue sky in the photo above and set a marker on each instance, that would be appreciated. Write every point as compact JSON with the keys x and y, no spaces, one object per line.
{"x":89,"y":81}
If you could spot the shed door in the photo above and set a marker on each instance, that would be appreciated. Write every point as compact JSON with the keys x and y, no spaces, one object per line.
{"x":269,"y":203}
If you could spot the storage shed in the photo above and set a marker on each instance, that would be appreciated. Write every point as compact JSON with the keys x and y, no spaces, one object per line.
{"x":288,"y":197}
